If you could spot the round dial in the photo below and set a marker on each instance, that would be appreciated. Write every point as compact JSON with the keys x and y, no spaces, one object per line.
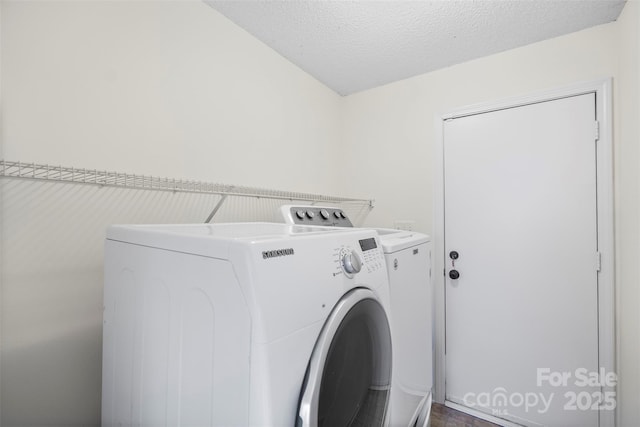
{"x":300,"y":214}
{"x":351,"y":262}
{"x":310,"y":214}
{"x":324,"y":213}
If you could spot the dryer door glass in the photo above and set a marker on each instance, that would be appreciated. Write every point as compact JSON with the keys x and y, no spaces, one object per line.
{"x":349,"y":375}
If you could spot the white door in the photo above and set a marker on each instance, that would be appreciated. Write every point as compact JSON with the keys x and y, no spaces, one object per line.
{"x":521,"y":213}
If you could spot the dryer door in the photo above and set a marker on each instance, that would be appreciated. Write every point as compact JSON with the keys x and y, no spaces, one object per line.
{"x":348,"y":379}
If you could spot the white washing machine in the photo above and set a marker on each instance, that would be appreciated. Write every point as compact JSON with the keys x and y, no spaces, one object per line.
{"x":408,"y":258}
{"x":245,"y":324}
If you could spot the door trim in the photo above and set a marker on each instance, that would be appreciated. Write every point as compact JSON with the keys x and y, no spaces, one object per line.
{"x":605,"y":208}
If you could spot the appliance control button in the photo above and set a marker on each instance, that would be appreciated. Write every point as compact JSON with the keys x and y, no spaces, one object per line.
{"x":342,"y":215}
{"x":310,"y":214}
{"x":324,"y":214}
{"x":352,"y":262}
{"x":300,"y":214}
{"x":337,"y":214}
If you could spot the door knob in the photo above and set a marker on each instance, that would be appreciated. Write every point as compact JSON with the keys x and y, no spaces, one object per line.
{"x":454,"y":274}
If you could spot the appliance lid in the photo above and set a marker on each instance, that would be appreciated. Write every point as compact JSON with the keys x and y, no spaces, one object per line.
{"x":211,"y":240}
{"x":397,"y":240}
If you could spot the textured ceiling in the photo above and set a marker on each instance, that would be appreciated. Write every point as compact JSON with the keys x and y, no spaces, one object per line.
{"x":356,"y":45}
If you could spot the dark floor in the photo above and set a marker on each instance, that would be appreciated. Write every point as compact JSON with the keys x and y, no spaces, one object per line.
{"x":441,"y":416}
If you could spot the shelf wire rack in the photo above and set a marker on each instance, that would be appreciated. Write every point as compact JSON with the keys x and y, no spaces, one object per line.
{"x":65,"y":174}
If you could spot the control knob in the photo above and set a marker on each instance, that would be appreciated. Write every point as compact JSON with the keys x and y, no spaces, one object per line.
{"x":324,"y":213}
{"x":351,"y":263}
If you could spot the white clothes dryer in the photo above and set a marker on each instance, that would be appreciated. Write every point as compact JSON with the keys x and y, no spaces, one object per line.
{"x":408,"y":259}
{"x":249,"y":324}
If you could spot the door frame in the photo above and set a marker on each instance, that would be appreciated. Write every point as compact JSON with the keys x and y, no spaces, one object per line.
{"x":605,"y":214}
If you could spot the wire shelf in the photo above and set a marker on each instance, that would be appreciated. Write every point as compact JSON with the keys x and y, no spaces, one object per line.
{"x":105,"y":178}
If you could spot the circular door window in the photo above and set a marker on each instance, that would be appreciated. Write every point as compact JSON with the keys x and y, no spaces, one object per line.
{"x":349,"y":375}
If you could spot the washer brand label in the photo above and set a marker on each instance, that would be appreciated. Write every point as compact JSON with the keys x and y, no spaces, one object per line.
{"x":277,"y":253}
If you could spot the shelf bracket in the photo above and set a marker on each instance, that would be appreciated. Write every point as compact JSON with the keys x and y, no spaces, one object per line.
{"x":216,"y":208}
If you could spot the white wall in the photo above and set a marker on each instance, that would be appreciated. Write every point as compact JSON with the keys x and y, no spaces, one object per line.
{"x":169,"y":88}
{"x":627,"y":162}
{"x":160,"y":87}
{"x":392,"y":129}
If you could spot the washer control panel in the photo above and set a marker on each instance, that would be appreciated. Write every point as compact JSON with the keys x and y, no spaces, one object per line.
{"x":371,"y":254}
{"x":315,"y":215}
{"x":366,"y":258}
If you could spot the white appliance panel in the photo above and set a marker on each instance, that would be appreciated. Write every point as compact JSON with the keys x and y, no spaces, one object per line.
{"x":411,"y":329}
{"x":169,"y":341}
{"x":294,"y":294}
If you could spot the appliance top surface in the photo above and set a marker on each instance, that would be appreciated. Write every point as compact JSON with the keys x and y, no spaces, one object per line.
{"x":396,"y":240}
{"x":215,"y":240}
{"x":232,"y":231}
